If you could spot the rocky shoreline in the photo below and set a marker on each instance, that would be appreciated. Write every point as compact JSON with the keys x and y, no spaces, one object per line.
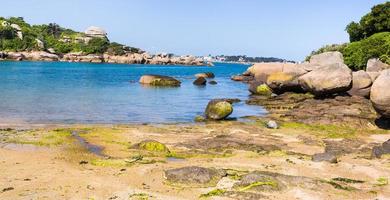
{"x":324,"y":76}
{"x":128,"y":58}
{"x":319,"y":140}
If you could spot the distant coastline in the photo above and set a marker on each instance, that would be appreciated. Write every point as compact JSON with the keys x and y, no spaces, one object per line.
{"x":128,"y":58}
{"x":50,"y":42}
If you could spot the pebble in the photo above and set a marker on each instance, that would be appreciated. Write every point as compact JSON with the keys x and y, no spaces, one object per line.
{"x":272,"y":125}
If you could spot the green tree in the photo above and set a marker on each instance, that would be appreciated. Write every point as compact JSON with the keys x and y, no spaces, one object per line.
{"x":7,"y":33}
{"x":378,"y":20}
{"x":54,"y":30}
{"x":355,"y":32}
{"x":116,"y":49}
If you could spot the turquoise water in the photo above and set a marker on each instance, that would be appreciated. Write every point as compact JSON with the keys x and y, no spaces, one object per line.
{"x":54,"y":92}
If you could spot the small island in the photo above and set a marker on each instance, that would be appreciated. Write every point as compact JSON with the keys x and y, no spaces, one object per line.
{"x":22,"y":41}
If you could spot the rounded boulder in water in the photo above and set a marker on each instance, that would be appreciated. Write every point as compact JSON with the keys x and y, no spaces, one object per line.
{"x":218,"y":109}
{"x":158,"y":80}
{"x":200,"y":81}
{"x":205,"y":75}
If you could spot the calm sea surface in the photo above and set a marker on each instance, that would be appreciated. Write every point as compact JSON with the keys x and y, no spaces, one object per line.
{"x":54,"y":92}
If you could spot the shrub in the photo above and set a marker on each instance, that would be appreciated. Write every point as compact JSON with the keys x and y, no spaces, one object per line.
{"x":115,"y":49}
{"x":95,"y":45}
{"x":356,"y":54}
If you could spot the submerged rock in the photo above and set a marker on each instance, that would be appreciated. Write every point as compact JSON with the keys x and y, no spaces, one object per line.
{"x":213,"y":82}
{"x":218,"y":109}
{"x":194,"y":176}
{"x":328,"y":80}
{"x":199,"y":119}
{"x":158,"y":80}
{"x":380,"y":94}
{"x":242,"y":78}
{"x":200,"y":81}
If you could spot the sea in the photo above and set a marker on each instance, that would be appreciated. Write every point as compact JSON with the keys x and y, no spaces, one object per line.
{"x":87,"y":93}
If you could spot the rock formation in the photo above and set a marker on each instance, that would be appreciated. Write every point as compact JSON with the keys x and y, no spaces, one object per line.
{"x":158,"y":80}
{"x":94,"y":31}
{"x":380,"y":94}
{"x":375,"y":65}
{"x":205,"y":75}
{"x":327,"y":80}
{"x":361,"y":84}
{"x":200,"y":81}
{"x":218,"y":109}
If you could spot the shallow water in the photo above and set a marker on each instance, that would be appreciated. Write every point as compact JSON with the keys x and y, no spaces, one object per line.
{"x":55,"y":92}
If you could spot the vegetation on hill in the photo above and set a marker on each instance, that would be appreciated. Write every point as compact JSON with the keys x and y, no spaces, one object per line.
{"x":52,"y":36}
{"x":378,"y":20}
{"x":370,"y":38}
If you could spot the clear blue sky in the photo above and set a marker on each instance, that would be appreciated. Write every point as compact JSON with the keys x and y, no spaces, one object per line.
{"x":288,"y":29}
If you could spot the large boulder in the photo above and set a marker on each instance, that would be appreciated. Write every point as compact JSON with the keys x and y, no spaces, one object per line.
{"x":373,"y":75}
{"x":218,"y":109}
{"x":380,"y":94}
{"x":327,"y":58}
{"x":200,"y":81}
{"x":287,"y":80}
{"x":205,"y":75}
{"x":361,"y":84}
{"x":18,"y":30}
{"x":375,"y":65}
{"x":40,"y":56}
{"x":308,"y":67}
{"x":194,"y":176}
{"x":261,"y":71}
{"x":15,"y":56}
{"x":158,"y":80}
{"x":378,"y":151}
{"x":259,"y":88}
{"x":327,"y":80}
{"x":91,"y":58}
{"x":80,"y":57}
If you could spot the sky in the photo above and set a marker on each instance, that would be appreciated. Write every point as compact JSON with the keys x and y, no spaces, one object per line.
{"x":288,"y":29}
